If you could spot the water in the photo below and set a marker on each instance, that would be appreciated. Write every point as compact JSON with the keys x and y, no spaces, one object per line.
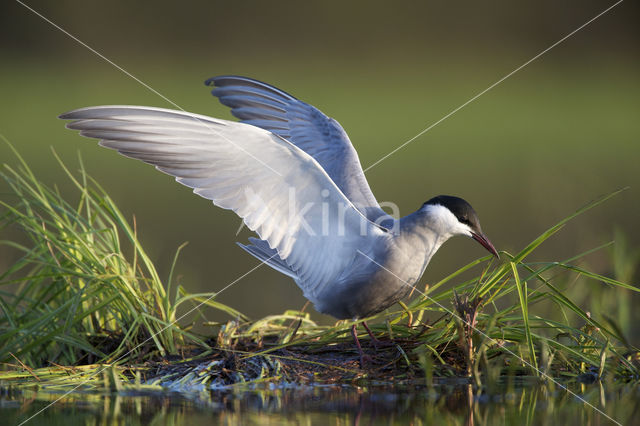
{"x":447,"y":403}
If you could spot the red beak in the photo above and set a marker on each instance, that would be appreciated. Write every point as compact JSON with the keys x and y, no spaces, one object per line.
{"x":482,"y":239}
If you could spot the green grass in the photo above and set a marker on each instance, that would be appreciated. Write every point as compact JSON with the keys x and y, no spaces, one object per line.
{"x":84,"y":291}
{"x":74,"y":296}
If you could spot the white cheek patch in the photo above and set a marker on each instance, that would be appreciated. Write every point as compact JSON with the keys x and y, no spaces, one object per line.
{"x":464,"y":229}
{"x":445,"y":222}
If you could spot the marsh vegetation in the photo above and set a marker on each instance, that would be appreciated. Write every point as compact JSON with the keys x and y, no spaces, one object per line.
{"x":84,"y":292}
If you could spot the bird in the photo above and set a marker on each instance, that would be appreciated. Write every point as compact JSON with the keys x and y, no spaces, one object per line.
{"x":293,"y":176}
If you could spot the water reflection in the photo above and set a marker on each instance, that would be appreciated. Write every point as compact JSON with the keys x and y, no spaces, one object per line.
{"x":336,"y":405}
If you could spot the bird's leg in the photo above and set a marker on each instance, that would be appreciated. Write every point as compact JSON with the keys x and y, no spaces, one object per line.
{"x":374,"y":339}
{"x":354,"y":333}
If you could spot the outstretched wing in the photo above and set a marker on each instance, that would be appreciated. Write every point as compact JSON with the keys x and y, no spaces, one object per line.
{"x":269,"y":108}
{"x":280,"y":192}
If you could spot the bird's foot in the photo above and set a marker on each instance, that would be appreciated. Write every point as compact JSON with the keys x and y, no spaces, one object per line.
{"x":365,"y":360}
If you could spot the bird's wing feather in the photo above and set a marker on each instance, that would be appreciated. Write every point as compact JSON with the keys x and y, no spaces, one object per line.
{"x":267,"y":107}
{"x":280,"y":191}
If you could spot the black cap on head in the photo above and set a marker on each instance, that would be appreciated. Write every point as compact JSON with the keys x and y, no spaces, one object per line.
{"x":465,"y":214}
{"x":460,"y":209}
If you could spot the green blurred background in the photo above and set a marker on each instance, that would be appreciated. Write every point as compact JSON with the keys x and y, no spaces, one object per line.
{"x":555,"y":135}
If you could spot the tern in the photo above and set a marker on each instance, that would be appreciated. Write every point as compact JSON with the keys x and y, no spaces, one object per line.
{"x":293,"y":176}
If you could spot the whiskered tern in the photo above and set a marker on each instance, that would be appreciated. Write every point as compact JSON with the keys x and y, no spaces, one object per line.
{"x":291,"y":173}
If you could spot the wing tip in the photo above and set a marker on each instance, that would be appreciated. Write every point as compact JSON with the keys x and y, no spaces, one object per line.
{"x":69,"y":115}
{"x":80,"y":113}
{"x":219,"y":81}
{"x":214,"y":81}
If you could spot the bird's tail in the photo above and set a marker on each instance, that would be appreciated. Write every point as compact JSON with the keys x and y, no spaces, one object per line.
{"x":260,"y":249}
